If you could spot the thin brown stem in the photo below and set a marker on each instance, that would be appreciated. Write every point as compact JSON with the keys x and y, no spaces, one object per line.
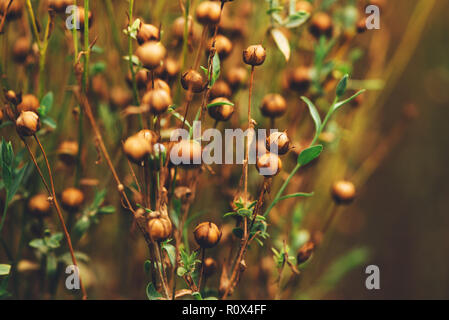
{"x":60,"y":216}
{"x":160,"y":268}
{"x":200,"y":280}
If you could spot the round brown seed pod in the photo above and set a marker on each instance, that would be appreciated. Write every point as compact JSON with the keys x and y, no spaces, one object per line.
{"x":304,"y":6}
{"x":299,"y":79}
{"x":222,"y":112}
{"x":305,"y":252}
{"x":207,"y":235}
{"x":81,"y":18}
{"x":11,"y":96}
{"x":28,"y":123}
{"x":151,"y":54}
{"x":278,"y":141}
{"x":158,"y":100}
{"x":59,"y":5}
{"x":147,"y":32}
{"x":14,"y":11}
{"x":39,"y":205}
{"x":68,"y":151}
{"x":29,"y":103}
{"x":72,"y":199}
{"x":178,"y":27}
{"x":220,"y":89}
{"x":321,"y":24}
{"x":254,"y":55}
{"x":269,"y":164}
{"x":137,"y":148}
{"x":188,"y":152}
{"x":21,"y":49}
{"x":273,"y":105}
{"x":210,"y":266}
{"x":159,"y":228}
{"x":208,"y":13}
{"x":160,"y":84}
{"x":150,"y":136}
{"x":193,"y":80}
{"x":361,"y":25}
{"x":343,"y":192}
{"x":120,"y":97}
{"x":237,"y":77}
{"x":142,"y":79}
{"x":223,"y":46}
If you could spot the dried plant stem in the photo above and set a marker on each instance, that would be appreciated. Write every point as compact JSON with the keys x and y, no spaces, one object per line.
{"x":200,"y":280}
{"x":160,"y":270}
{"x":60,"y":216}
{"x":121,"y":189}
{"x":245,"y":165}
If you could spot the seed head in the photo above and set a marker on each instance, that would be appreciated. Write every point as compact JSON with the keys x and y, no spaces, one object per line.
{"x":14,"y":11}
{"x":137,"y":148}
{"x":254,"y":55}
{"x":21,"y":49}
{"x":158,"y":100}
{"x":221,"y":112}
{"x":299,"y":79}
{"x":81,"y":18}
{"x":189,"y":152}
{"x":223,"y":46}
{"x":150,"y":136}
{"x":305,"y":252}
{"x":237,"y":77}
{"x":273,"y":105}
{"x":147,"y":32}
{"x":142,"y":79}
{"x":210,"y":266}
{"x":270,"y":163}
{"x":29,"y":103}
{"x":321,"y":24}
{"x":278,"y":141}
{"x":178,"y":27}
{"x":159,"y":228}
{"x":59,"y":5}
{"x":343,"y":192}
{"x":207,"y":235}
{"x":11,"y":96}
{"x":120,"y":97}
{"x":220,"y":89}
{"x":304,"y":6}
{"x":162,"y":85}
{"x":28,"y":123}
{"x":39,"y":205}
{"x":68,"y":151}
{"x":193,"y":80}
{"x":72,"y":199}
{"x":208,"y":13}
{"x":151,"y":54}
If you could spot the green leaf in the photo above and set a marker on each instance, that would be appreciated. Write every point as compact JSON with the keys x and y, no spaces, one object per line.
{"x":295,"y":195}
{"x":106,"y":210}
{"x":313,"y":112}
{"x":179,"y":117}
{"x":171,"y":252}
{"x":297,"y":19}
{"x":197,"y":296}
{"x":46,"y":104}
{"x":49,"y":122}
{"x":216,"y":104}
{"x":5,"y":269}
{"x":97,"y":68}
{"x":215,"y":69}
{"x":147,"y":267}
{"x":341,"y":87}
{"x":152,"y":293}
{"x":341,"y":103}
{"x":282,"y":42}
{"x":134,"y":59}
{"x":309,"y":154}
{"x":181,"y":271}
{"x":81,"y":226}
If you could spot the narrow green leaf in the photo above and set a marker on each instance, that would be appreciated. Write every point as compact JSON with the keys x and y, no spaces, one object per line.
{"x":152,"y":293}
{"x":309,"y":154}
{"x":313,"y":112}
{"x":216,"y":69}
{"x":216,"y":104}
{"x":341,"y":87}
{"x":341,"y":103}
{"x":46,"y":104}
{"x":5,"y":269}
{"x":296,"y":195}
{"x":282,"y":42}
{"x":297,"y":19}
